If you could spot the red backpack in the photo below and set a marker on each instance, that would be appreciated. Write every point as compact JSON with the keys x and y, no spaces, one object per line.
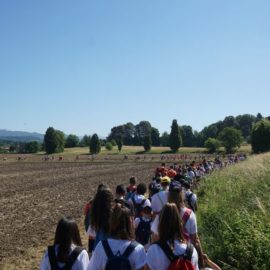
{"x":182,"y":262}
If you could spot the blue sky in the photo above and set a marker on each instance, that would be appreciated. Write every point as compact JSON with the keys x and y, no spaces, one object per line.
{"x":86,"y":66}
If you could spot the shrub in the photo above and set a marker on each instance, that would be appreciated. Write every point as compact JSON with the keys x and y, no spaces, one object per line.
{"x":212,"y":145}
{"x":109,"y":146}
{"x":260,"y":136}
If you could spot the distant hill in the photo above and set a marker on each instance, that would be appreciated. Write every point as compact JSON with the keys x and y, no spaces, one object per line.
{"x":20,"y":136}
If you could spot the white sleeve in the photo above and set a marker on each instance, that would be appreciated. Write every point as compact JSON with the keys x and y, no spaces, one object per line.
{"x":44,"y":264}
{"x":147,"y":203}
{"x":136,"y":222}
{"x":154,"y":226}
{"x":191,"y":225}
{"x":138,"y":257}
{"x":155,"y":203}
{"x":83,"y":260}
{"x":156,"y":259}
{"x":98,"y":259}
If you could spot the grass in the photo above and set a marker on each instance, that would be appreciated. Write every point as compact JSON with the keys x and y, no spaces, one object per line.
{"x":234,"y":215}
{"x":133,"y":150}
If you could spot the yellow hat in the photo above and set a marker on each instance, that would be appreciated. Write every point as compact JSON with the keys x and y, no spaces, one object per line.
{"x":165,"y":179}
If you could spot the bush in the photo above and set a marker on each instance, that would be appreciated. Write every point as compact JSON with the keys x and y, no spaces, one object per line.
{"x":147,"y":144}
{"x":230,"y":138}
{"x":212,"y":145}
{"x":260,"y":136}
{"x":109,"y":146}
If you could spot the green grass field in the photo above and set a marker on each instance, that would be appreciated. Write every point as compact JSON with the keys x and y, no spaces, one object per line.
{"x":234,"y":215}
{"x":133,"y":150}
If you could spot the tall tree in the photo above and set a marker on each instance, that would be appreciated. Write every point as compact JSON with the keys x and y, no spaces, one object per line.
{"x":95,"y":145}
{"x":119,"y":142}
{"x":175,"y":137}
{"x":187,"y":136}
{"x":147,"y":144}
{"x":60,"y":138}
{"x":50,"y":140}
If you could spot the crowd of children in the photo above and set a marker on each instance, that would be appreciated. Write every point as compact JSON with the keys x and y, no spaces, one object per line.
{"x":136,"y":229}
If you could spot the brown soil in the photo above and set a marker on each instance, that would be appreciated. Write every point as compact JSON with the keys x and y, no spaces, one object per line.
{"x":34,"y":195}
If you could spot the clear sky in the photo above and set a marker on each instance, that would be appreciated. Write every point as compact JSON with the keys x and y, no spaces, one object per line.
{"x":86,"y":66}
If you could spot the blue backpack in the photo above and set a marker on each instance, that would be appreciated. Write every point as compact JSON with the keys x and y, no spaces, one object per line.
{"x":118,"y":261}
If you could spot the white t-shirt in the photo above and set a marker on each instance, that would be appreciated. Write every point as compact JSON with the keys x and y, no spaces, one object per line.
{"x":81,"y":262}
{"x":99,"y":259}
{"x":157,"y":259}
{"x":159,"y":200}
{"x":191,"y":224}
{"x":138,"y":199}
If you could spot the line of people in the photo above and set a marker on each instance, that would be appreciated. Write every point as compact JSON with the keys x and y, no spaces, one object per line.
{"x":130,"y":230}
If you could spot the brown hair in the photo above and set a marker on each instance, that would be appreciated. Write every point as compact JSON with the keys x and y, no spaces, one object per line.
{"x":121,"y":224}
{"x":67,"y":233}
{"x":172,"y":230}
{"x":101,"y":209}
{"x":176,"y":196}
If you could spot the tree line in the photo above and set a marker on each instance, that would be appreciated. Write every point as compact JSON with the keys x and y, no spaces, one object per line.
{"x":229,"y":133}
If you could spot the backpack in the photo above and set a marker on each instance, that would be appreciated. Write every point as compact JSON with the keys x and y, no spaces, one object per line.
{"x":71,"y":259}
{"x":185,"y":219}
{"x":118,"y":261}
{"x":188,"y":200}
{"x":143,"y":231}
{"x":182,"y":262}
{"x":138,"y":207}
{"x":154,"y":188}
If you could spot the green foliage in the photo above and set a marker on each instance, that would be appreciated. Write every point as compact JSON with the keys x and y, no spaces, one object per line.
{"x":109,"y":146}
{"x":113,"y":142}
{"x":32,"y":147}
{"x":230,"y":138}
{"x":85,"y":141}
{"x":95,"y":145}
{"x":212,"y":145}
{"x":175,"y":139}
{"x":119,"y":142}
{"x":260,"y":136}
{"x":72,"y":141}
{"x":147,"y":144}
{"x":187,"y":136}
{"x":155,"y":137}
{"x":234,"y":215}
{"x":54,"y":141}
{"x":164,"y":139}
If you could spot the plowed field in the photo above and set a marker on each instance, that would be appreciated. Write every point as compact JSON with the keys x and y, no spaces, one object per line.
{"x":34,"y":195}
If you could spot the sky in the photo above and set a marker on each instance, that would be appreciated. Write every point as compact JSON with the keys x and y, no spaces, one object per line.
{"x":86,"y":66}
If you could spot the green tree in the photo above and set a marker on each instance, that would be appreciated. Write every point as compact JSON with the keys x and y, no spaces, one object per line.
{"x":175,"y":137}
{"x":260,"y":136}
{"x":164,"y":139}
{"x":50,"y":141}
{"x":95,"y":145}
{"x":155,"y":137}
{"x":85,"y":141}
{"x":230,"y":138}
{"x":109,"y":146}
{"x":212,"y":145}
{"x":147,"y":144}
{"x":32,"y":147}
{"x":60,"y":139}
{"x":119,"y":142}
{"x":72,"y":141}
{"x":187,"y":136}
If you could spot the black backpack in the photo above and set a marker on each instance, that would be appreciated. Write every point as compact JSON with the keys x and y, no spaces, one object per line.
{"x":118,"y":261}
{"x":143,"y":231}
{"x":72,"y":258}
{"x":138,"y":207}
{"x":189,"y":202}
